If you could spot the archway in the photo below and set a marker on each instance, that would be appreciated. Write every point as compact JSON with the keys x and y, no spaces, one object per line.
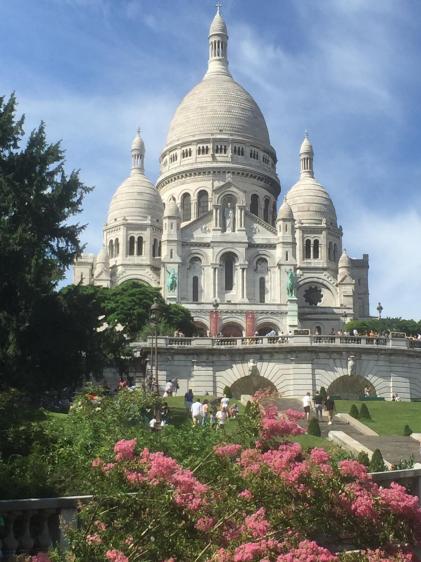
{"x":200,"y":329}
{"x":251,"y":384}
{"x":351,"y":387}
{"x":264,"y":329}
{"x":232,"y":330}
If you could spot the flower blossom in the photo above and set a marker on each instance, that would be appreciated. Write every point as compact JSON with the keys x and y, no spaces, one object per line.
{"x":308,"y":551}
{"x":116,"y":556}
{"x":257,"y":524}
{"x":93,"y":539}
{"x":354,"y":469}
{"x":205,"y":524}
{"x":40,"y":557}
{"x":319,"y":456}
{"x":245,"y":495}
{"x":230,"y":450}
{"x":397,"y":499}
{"x":124,"y":449}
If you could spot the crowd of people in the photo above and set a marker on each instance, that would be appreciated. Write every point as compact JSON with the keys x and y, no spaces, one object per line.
{"x":319,"y":404}
{"x":214,"y":414}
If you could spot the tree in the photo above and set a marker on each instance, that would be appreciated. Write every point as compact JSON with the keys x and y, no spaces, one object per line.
{"x":364,"y":412}
{"x":354,"y":412}
{"x":38,"y":241}
{"x":377,"y":462}
{"x":314,"y":427}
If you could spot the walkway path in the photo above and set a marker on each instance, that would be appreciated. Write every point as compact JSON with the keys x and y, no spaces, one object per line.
{"x":394,"y":448}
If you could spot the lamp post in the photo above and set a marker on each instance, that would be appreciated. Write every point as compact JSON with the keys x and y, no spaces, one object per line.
{"x":154,"y":318}
{"x":344,"y":318}
{"x":379,"y":310}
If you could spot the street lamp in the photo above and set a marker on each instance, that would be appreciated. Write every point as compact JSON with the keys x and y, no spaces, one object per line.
{"x":379,"y":310}
{"x":154,"y":319}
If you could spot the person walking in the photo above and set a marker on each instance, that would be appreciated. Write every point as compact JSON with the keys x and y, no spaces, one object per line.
{"x":306,"y":405}
{"x":221,"y":417}
{"x":197,"y":412}
{"x":205,"y":412}
{"x":188,"y":399}
{"x":330,"y":407}
{"x":318,"y":405}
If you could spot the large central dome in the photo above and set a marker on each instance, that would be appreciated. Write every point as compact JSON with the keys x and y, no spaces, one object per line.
{"x":218,"y":106}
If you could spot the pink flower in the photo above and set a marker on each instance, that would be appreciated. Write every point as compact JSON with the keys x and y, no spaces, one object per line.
{"x":100,"y":526}
{"x":124,"y":449}
{"x":248,"y":552}
{"x":308,"y":551}
{"x":397,"y":499}
{"x":319,"y":456}
{"x":230,"y":450}
{"x":107,"y":467}
{"x":294,"y":415}
{"x":40,"y":557}
{"x":116,"y":556}
{"x":250,"y":461}
{"x":257,"y":524}
{"x":96,"y":463}
{"x":205,"y":524}
{"x":134,"y":478}
{"x":93,"y":539}
{"x":245,"y":495}
{"x":354,"y":469}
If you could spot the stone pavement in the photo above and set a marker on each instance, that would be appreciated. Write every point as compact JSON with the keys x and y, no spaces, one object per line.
{"x":394,"y":448}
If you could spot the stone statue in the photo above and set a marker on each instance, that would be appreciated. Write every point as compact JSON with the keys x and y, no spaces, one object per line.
{"x":351,"y":365}
{"x":229,"y":218}
{"x":171,"y":280}
{"x":291,"y":284}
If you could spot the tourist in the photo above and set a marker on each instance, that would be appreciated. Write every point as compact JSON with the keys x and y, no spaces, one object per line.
{"x":175,"y":386}
{"x":271,"y":334}
{"x":318,"y":405}
{"x":221,"y":416}
{"x":188,"y":400}
{"x":153,"y":424}
{"x":197,"y":412}
{"x":169,"y":388}
{"x":205,"y":412}
{"x":355,"y":332}
{"x":330,"y":407}
{"x":306,"y":405}
{"x":164,"y":412}
{"x":224,"y":403}
{"x":397,"y":397}
{"x":233,"y":411}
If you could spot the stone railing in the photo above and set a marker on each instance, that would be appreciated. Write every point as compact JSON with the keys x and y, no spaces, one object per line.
{"x":293,"y":340}
{"x":35,"y":525}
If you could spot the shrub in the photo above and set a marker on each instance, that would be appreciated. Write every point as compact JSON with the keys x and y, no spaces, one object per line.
{"x":228,"y":391}
{"x":407,"y":430}
{"x":377,"y":462}
{"x":363,"y":458}
{"x":364,"y":412}
{"x":323,"y":393}
{"x":314,"y":427}
{"x":354,"y":412}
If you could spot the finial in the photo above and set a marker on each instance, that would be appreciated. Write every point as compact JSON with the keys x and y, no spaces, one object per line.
{"x":306,"y":134}
{"x":138,"y":131}
{"x":218,"y":6}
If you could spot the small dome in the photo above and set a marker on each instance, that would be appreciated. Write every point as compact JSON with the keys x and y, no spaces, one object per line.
{"x":344,"y":260}
{"x":285,"y":211}
{"x":138,"y":143}
{"x":306,"y":146}
{"x":310,"y":202}
{"x":135,"y":200}
{"x":102,"y":256}
{"x":218,"y":25}
{"x":171,"y":209}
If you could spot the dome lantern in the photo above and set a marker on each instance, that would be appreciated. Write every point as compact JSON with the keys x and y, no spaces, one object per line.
{"x":306,"y":158}
{"x":138,"y":153}
{"x":218,"y":45}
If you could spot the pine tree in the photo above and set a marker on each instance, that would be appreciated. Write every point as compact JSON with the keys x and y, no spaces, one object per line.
{"x":377,"y":462}
{"x":354,"y":412}
{"x":407,"y":431}
{"x":38,"y":241}
{"x":314,"y":427}
{"x":364,"y":412}
{"x":363,"y":458}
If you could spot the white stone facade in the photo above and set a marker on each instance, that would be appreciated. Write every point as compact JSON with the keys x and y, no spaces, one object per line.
{"x":209,"y":232}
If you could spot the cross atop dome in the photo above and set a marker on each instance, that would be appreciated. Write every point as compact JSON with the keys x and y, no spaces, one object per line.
{"x":218,"y":45}
{"x":218,"y":7}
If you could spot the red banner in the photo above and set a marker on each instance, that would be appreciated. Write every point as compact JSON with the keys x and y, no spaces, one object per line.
{"x":213,"y":323}
{"x":250,"y":324}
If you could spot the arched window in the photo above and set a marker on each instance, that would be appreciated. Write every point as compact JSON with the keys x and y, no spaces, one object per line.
{"x":254,"y":205}
{"x":202,"y":203}
{"x":159,"y":248}
{"x":330,"y":251}
{"x":308,"y":249}
{"x":116,"y":247}
{"x":111,"y":248}
{"x":286,"y":255}
{"x":266,"y":210}
{"x":155,"y":248}
{"x":316,"y":249}
{"x":186,"y":207}
{"x":335,"y":252}
{"x":131,"y":246}
{"x":262,"y":290}
{"x":195,"y":288}
{"x":139,"y":246}
{"x":229,"y":265}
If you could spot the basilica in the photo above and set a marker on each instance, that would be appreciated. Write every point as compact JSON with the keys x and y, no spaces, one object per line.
{"x":209,"y":233}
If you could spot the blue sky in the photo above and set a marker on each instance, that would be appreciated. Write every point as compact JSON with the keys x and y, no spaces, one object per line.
{"x":346,"y":70}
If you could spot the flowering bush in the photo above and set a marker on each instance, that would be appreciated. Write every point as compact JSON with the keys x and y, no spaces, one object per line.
{"x":233,"y":502}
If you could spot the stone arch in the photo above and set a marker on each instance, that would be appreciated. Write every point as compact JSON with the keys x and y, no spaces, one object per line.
{"x":264,"y":328}
{"x":136,"y":277}
{"x":276,"y":372}
{"x":250,"y":385}
{"x":196,"y":253}
{"x":351,"y":387}
{"x":232,"y":329}
{"x":201,"y":328}
{"x":326,"y":293}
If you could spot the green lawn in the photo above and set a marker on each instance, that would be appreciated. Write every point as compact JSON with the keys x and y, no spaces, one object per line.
{"x":388,"y":418}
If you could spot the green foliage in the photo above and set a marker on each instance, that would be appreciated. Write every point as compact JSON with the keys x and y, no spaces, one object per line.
{"x":228,"y":391}
{"x":364,"y":412}
{"x":377,"y":462}
{"x":407,"y":430}
{"x":39,"y":239}
{"x":354,"y":412}
{"x":410,"y":327}
{"x":404,"y":464}
{"x":314,"y":427}
{"x":323,"y":393}
{"x":362,"y":457}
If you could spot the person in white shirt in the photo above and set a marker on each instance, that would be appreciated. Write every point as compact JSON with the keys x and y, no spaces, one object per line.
{"x":197,"y":412}
{"x":152,"y":424}
{"x":169,"y":389}
{"x":306,"y":404}
{"x":221,"y":416}
{"x":224,"y":403}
